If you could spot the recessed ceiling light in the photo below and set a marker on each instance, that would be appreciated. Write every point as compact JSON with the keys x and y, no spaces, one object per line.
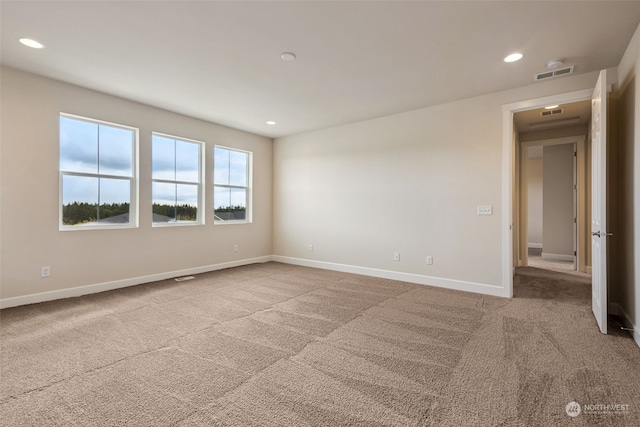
{"x":271,"y":122}
{"x":31,"y":43}
{"x":513,"y":57}
{"x":551,"y":107}
{"x":288,"y":56}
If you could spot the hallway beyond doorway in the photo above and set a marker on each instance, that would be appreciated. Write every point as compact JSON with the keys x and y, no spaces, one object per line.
{"x":536,"y":260}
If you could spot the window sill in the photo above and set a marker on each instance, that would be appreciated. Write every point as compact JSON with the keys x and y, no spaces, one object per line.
{"x":176,"y":224}
{"x":231,"y":222}
{"x":95,"y":227}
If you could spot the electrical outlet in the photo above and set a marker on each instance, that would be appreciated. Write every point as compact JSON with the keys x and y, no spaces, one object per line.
{"x":45,"y":272}
{"x":429,"y":260}
{"x":396,"y":256}
{"x":236,"y":248}
{"x":310,"y":248}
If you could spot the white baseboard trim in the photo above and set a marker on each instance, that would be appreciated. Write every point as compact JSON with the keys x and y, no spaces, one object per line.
{"x":616,"y":309}
{"x":535,"y":245}
{"x":116,"y":284}
{"x":557,"y":257}
{"x":460,"y":285}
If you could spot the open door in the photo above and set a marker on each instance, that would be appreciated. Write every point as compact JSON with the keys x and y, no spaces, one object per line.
{"x":575,"y":207}
{"x":599,"y":201}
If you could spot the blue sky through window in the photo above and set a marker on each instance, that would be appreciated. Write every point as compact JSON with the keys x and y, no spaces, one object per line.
{"x":93,"y":148}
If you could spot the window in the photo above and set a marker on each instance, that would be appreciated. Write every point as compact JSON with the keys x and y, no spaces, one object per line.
{"x":231,"y":185}
{"x":97,"y":174}
{"x":177,"y":180}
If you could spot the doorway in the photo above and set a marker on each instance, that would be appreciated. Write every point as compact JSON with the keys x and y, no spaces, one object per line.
{"x":512,"y":241}
{"x":552,"y":197}
{"x":552,"y":187}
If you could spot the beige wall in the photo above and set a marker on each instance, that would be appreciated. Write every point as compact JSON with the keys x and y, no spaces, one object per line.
{"x":30,"y":238}
{"x":407,"y":183}
{"x":534,"y":201}
{"x":558,"y":201}
{"x":625,"y":215}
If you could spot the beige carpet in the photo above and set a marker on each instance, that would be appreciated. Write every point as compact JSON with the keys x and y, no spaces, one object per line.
{"x":279,"y":345}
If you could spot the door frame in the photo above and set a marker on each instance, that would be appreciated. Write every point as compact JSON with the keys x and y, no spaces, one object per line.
{"x":509,"y":179}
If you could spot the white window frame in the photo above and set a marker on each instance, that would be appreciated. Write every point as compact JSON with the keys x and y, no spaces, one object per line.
{"x":248,"y":219}
{"x":201,"y":195}
{"x":133,"y":179}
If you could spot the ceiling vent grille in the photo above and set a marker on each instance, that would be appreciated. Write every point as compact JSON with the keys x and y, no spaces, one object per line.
{"x":553,"y":73}
{"x":547,"y":113}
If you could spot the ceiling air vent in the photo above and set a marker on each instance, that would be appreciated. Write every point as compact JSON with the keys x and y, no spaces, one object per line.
{"x":554,"y":73}
{"x":547,"y":113}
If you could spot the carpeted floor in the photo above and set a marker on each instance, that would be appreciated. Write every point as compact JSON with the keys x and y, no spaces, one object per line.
{"x":280,"y":345}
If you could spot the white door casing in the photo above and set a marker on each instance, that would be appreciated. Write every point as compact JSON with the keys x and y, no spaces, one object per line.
{"x":508,"y":149}
{"x":599,"y":201}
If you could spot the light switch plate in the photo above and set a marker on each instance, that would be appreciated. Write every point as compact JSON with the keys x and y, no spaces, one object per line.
{"x":485,"y":210}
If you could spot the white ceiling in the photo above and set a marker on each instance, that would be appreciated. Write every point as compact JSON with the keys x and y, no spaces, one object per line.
{"x":220,"y":61}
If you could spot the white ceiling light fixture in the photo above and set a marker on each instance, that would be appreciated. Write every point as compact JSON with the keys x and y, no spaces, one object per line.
{"x":288,"y":56}
{"x":551,"y":107}
{"x":31,"y":43}
{"x":554,"y":63}
{"x":271,"y":122}
{"x":513,"y":57}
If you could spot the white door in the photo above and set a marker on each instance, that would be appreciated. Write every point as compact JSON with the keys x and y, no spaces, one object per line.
{"x":575,"y":207}
{"x":599,"y":201}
